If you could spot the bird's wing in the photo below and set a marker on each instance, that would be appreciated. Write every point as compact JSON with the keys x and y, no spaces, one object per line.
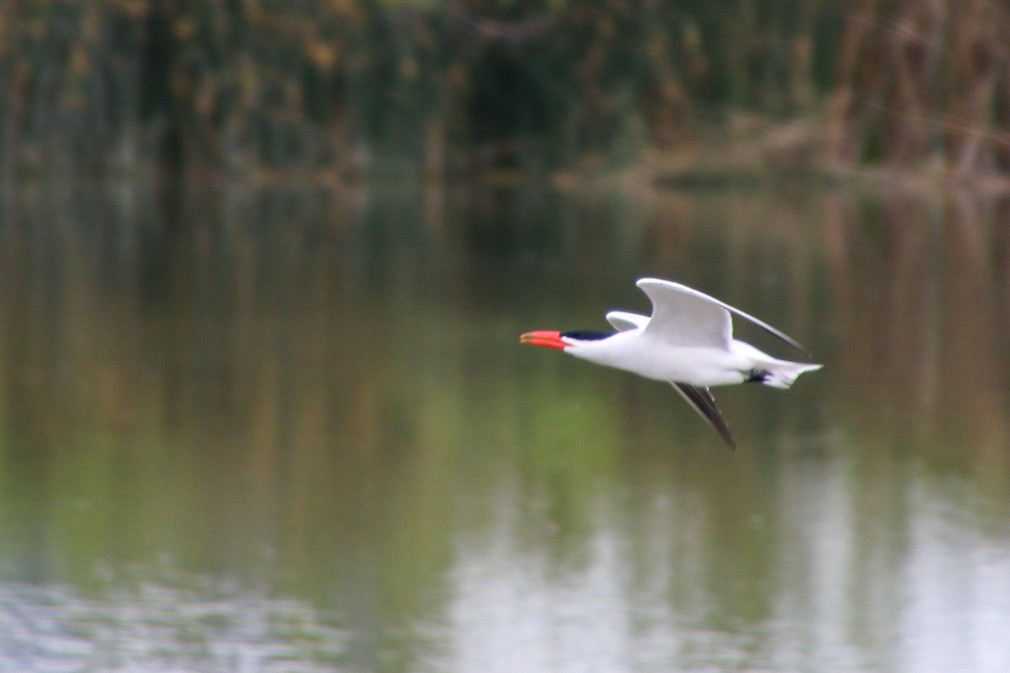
{"x":685,"y":318}
{"x":701,"y":400}
{"x":623,"y":321}
{"x":665,"y":293}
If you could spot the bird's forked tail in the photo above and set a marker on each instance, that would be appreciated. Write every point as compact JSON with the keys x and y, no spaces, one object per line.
{"x":781,"y":373}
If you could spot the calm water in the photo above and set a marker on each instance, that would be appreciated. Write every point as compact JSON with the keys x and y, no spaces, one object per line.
{"x":291,"y":429}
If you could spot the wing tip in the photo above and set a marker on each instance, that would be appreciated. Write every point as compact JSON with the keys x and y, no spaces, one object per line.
{"x":730,"y":440}
{"x":727,"y":435}
{"x":701,"y":400}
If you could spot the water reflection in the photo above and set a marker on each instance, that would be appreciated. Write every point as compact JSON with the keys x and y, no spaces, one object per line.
{"x":297,"y":418}
{"x":162,"y":625}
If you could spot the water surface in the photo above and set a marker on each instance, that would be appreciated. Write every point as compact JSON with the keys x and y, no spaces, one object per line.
{"x":285,"y":428}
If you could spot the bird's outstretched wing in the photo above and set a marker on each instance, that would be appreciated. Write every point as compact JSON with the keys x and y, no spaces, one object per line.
{"x":623,"y":321}
{"x":684,"y":314}
{"x":684,"y":318}
{"x":701,"y":400}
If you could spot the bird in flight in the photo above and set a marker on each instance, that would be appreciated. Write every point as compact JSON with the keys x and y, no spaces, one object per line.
{"x":687,"y":341}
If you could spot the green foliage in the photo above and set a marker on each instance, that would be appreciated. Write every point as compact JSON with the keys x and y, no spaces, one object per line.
{"x":360,"y":85}
{"x":354,"y":86}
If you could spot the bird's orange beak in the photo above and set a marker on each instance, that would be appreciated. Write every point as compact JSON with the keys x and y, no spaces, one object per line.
{"x":545,"y":338}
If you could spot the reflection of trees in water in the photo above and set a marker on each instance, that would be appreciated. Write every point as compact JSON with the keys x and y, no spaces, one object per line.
{"x":919,"y":315}
{"x":263,"y":282}
{"x":322,"y":393}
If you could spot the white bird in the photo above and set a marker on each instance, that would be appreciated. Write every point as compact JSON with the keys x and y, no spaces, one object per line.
{"x":687,"y":341}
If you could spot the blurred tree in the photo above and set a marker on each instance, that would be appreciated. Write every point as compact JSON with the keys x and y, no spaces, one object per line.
{"x":364,"y":85}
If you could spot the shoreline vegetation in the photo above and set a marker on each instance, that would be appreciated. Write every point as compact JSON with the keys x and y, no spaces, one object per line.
{"x":675,"y":92}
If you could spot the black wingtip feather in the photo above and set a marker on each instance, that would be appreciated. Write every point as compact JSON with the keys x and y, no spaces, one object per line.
{"x":701,"y":399}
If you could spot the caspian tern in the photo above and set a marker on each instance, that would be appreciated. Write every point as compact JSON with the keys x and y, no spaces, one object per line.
{"x":687,"y":341}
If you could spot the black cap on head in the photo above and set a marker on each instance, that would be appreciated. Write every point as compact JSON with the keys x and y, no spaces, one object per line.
{"x":586,"y":335}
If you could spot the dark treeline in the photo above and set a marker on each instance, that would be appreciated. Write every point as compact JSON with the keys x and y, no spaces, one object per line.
{"x":357,"y":86}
